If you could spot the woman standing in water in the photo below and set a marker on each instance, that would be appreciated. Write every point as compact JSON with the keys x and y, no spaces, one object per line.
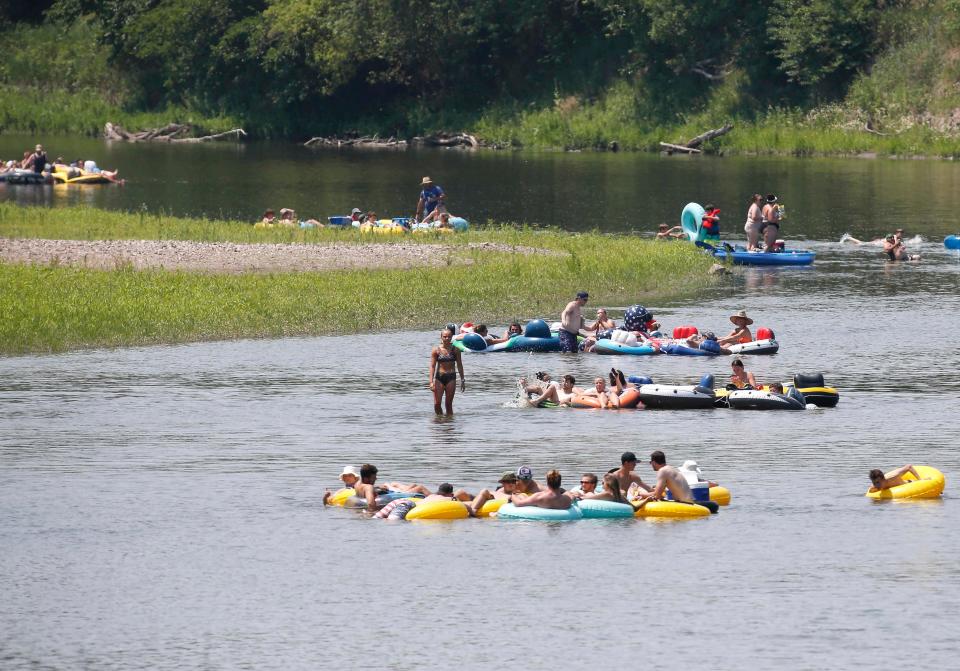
{"x":754,"y":222}
{"x":445,"y":363}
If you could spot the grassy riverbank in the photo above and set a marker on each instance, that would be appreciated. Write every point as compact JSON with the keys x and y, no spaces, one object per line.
{"x":56,"y":308}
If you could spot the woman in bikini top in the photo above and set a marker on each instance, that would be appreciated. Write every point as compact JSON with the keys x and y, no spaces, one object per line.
{"x":445,"y":363}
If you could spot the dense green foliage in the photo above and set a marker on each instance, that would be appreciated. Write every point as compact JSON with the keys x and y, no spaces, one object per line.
{"x":58,"y":308}
{"x":571,"y":73}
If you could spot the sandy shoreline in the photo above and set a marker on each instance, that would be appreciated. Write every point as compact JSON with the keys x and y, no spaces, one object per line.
{"x":230,"y":257}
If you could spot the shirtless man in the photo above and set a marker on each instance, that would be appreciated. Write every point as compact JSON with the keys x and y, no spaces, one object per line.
{"x":607,"y":398}
{"x":561,"y":395}
{"x":525,"y":482}
{"x":508,"y":487}
{"x":625,"y":476}
{"x":883,"y":480}
{"x":571,"y":321}
{"x":668,"y":478}
{"x":553,"y":497}
{"x":666,"y":233}
{"x":366,"y":488}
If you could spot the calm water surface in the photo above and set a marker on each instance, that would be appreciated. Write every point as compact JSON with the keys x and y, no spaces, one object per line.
{"x":161,"y":507}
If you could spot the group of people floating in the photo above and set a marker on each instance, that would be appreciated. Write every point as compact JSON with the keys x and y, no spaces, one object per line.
{"x":431,"y":208}
{"x":620,"y":484}
{"x":446,"y":361}
{"x":36,"y":161}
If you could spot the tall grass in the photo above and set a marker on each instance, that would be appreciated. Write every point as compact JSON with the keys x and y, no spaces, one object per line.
{"x":55,"y":308}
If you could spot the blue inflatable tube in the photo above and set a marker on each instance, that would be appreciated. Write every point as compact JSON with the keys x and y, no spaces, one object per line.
{"x":952,"y":242}
{"x":511,"y":512}
{"x":682,"y":350}
{"x":612,"y":347}
{"x":593,"y":509}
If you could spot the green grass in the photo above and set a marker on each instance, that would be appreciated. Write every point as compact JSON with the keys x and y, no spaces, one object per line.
{"x":56,"y":308}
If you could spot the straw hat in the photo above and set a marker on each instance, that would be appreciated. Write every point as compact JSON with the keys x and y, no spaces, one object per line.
{"x":426,"y":181}
{"x":741,"y":315}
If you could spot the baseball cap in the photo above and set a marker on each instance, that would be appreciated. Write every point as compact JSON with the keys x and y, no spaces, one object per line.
{"x":508,"y":477}
{"x":627,"y":456}
{"x":524,"y":473}
{"x":583,"y":294}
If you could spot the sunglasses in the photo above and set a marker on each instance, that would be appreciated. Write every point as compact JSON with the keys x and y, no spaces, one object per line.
{"x":587,"y":482}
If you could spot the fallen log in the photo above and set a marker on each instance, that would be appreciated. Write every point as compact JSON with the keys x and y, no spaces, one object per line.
{"x":447,"y":140}
{"x":679,"y":147}
{"x":365,"y":141}
{"x":709,"y":135}
{"x":172,"y":132}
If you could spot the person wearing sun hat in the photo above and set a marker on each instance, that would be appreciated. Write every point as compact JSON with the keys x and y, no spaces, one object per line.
{"x":432,"y":200}
{"x":741,"y":332}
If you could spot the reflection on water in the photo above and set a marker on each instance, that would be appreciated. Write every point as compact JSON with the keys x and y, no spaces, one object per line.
{"x":161,"y":507}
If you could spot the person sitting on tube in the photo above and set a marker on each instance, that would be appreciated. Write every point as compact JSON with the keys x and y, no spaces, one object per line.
{"x":554,"y":497}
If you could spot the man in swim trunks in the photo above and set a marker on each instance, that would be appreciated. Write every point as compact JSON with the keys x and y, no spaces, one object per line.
{"x":553,"y":497}
{"x":571,"y":321}
{"x":508,"y":487}
{"x":525,"y":482}
{"x":668,"y":478}
{"x":883,"y":480}
{"x":561,"y":395}
{"x":629,"y":481}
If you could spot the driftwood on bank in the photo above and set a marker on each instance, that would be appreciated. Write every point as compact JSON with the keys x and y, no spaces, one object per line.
{"x":691,"y":146}
{"x":680,"y":147}
{"x":172,"y":132}
{"x":361,"y":141}
{"x":435,"y":140}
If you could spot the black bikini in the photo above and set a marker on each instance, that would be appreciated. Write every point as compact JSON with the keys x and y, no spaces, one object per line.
{"x":446,"y":378}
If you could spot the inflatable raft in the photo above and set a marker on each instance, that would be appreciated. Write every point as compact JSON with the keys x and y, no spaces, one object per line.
{"x":788,"y":257}
{"x":512,"y":512}
{"x":930,"y":486}
{"x":347,"y":498}
{"x":761,"y":399}
{"x":594,"y":509}
{"x":607,"y":346}
{"x":438,"y":510}
{"x":536,"y":337}
{"x":952,"y":242}
{"x":83,"y":178}
{"x":459,"y":226}
{"x":18,"y":176}
{"x":810,"y":385}
{"x":672,"y":509}
{"x":678,"y":397}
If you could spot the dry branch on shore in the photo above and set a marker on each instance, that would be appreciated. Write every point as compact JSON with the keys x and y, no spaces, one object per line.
{"x":172,"y":132}
{"x":691,"y":146}
{"x":435,"y":140}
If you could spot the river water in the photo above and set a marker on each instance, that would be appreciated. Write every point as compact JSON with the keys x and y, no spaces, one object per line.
{"x":161,"y":507}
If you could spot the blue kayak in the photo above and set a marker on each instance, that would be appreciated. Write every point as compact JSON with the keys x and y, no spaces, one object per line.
{"x":952,"y":242}
{"x":788,"y":257}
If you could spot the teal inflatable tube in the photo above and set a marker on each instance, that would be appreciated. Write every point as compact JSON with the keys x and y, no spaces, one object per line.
{"x":512,"y":512}
{"x":691,"y":221}
{"x":594,"y":509}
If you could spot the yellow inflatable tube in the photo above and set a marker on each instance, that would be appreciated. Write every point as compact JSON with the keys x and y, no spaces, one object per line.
{"x":720,"y":495}
{"x":671,"y":509}
{"x":439,"y":510}
{"x":929,"y":486}
{"x":490,"y":507}
{"x":347,"y":498}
